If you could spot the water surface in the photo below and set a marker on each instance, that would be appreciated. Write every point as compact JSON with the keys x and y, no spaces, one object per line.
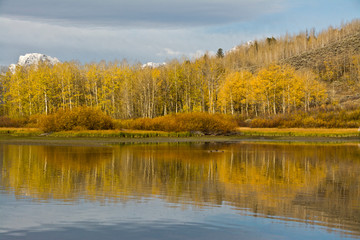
{"x":180,"y":191}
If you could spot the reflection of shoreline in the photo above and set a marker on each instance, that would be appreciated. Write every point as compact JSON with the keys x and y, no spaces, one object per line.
{"x":316,"y":184}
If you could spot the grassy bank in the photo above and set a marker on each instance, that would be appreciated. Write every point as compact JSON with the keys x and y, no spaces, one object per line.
{"x":300,"y":132}
{"x":110,"y":137}
{"x":239,"y":132}
{"x":20,"y":132}
{"x":121,"y":134}
{"x":34,"y":132}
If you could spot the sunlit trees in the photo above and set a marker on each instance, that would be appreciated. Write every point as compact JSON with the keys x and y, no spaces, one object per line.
{"x":251,"y":80}
{"x":273,"y":90}
{"x":204,"y":85}
{"x":236,"y":93}
{"x":312,"y":92}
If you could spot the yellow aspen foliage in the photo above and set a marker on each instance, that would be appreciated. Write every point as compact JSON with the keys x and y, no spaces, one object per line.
{"x":236,"y":92}
{"x":206,"y":84}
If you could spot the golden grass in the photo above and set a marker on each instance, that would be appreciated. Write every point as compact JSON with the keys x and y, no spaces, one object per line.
{"x":244,"y":131}
{"x":20,"y":131}
{"x":300,"y":130}
{"x":311,"y":132}
{"x":93,"y":133}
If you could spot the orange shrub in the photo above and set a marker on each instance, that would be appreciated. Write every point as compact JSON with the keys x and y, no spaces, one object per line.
{"x":11,"y":122}
{"x":332,"y":119}
{"x":183,"y":122}
{"x":81,"y":118}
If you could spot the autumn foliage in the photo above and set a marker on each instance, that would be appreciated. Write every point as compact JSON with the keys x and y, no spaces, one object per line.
{"x":275,"y":89}
{"x":316,"y":119}
{"x":259,"y":81}
{"x":186,"y":122}
{"x":9,"y":122}
{"x":81,"y":118}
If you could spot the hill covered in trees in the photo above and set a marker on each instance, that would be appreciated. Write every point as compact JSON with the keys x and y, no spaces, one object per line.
{"x":303,"y":73}
{"x":332,"y":55}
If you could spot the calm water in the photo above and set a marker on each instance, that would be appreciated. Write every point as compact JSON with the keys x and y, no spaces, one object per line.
{"x":180,"y":191}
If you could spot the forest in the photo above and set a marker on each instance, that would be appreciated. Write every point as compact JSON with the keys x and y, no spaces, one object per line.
{"x":274,"y":78}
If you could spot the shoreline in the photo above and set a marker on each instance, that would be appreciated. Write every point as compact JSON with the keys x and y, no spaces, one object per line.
{"x":33,"y":136}
{"x":104,"y":141}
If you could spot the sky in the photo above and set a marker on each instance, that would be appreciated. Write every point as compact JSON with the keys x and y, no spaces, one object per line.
{"x":154,"y":30}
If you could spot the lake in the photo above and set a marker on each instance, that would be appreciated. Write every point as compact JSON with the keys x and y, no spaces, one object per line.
{"x":180,"y":191}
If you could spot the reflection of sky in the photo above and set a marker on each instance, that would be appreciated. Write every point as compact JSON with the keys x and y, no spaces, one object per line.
{"x":154,"y":30}
{"x":141,"y":219}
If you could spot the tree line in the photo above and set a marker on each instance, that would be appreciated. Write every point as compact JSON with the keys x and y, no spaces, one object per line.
{"x":124,"y":91}
{"x":215,"y":84}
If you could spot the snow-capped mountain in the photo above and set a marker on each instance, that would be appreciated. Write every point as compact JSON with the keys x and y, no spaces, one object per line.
{"x":153,"y":65}
{"x":33,"y":58}
{"x":244,"y":45}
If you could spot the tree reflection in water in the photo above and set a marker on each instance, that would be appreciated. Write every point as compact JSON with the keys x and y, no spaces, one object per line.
{"x":316,"y":184}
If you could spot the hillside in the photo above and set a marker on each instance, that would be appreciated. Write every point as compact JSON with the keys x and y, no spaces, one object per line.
{"x":332,"y":55}
{"x":305,"y":49}
{"x":337,"y":55}
{"x":342,"y":48}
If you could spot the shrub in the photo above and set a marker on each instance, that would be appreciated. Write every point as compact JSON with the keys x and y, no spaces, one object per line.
{"x":7,"y":122}
{"x":10,"y":122}
{"x":333,"y":119}
{"x":183,"y":122}
{"x":81,"y":118}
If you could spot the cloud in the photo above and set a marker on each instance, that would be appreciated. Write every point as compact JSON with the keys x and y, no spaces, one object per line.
{"x":170,"y":53}
{"x":140,"y":13}
{"x":88,"y":44}
{"x":156,"y":30}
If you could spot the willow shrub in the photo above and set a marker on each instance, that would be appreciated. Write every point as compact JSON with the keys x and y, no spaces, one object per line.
{"x":183,"y":122}
{"x":332,"y":119}
{"x":9,"y":122}
{"x":81,"y":118}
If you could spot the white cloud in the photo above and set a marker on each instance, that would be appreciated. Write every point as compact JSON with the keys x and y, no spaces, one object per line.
{"x":87,"y":44}
{"x":170,"y":53}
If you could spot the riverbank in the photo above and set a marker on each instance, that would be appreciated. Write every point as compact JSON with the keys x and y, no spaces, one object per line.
{"x":301,"y":132}
{"x":242,"y":131}
{"x":109,"y":137}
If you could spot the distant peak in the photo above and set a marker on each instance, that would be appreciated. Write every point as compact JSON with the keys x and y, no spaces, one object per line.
{"x":33,"y":58}
{"x":153,"y":65}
